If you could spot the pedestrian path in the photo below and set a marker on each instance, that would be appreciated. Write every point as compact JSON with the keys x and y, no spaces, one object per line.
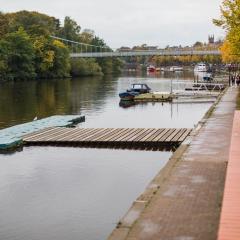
{"x":230,"y":216}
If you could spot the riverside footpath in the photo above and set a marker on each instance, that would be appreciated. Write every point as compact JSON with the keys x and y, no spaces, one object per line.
{"x":183,"y":202}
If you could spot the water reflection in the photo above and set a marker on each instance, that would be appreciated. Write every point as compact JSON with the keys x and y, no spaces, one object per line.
{"x":48,"y":97}
{"x":127,"y":104}
{"x":68,"y":193}
{"x":22,"y":101}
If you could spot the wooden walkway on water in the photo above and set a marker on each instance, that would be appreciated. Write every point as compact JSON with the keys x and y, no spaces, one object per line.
{"x":140,"y":138}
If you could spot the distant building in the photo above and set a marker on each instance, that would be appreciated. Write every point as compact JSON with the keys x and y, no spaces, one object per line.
{"x":211,"y":39}
{"x":151,"y":48}
{"x":124,"y":49}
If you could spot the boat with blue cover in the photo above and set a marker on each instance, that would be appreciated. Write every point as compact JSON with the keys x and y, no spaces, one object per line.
{"x":135,"y":90}
{"x":143,"y":93}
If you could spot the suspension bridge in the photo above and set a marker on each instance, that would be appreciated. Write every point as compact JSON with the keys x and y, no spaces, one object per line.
{"x":83,"y":50}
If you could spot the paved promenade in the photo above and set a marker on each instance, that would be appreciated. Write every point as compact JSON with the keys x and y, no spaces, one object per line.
{"x":187,"y":202}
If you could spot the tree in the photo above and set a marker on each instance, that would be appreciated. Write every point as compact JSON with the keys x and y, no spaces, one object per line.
{"x":230,"y":19}
{"x":34,"y":23}
{"x":3,"y":61}
{"x":85,"y":67}
{"x":87,"y":36}
{"x":197,"y":44}
{"x":19,"y":55}
{"x":70,"y":30}
{"x":3,"y":24}
{"x":61,"y":63}
{"x":44,"y":56}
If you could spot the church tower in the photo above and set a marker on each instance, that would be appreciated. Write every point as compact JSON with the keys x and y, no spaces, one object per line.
{"x":211,"y":39}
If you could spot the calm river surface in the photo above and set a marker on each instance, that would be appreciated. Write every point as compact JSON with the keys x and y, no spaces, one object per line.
{"x":51,"y":193}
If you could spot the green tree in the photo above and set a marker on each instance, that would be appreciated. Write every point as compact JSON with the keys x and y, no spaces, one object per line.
{"x":3,"y":24}
{"x":3,"y":61}
{"x":34,"y":23}
{"x":44,"y":56}
{"x":61,"y":63}
{"x":85,"y":67}
{"x":19,"y":55}
{"x":70,"y":30}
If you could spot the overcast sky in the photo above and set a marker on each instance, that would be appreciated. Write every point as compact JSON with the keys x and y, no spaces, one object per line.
{"x":133,"y":22}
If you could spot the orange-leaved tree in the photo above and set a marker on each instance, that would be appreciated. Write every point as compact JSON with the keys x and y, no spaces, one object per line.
{"x":230,"y":21}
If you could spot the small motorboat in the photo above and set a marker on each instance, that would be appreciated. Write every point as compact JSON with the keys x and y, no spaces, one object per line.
{"x":201,"y":67}
{"x":176,"y":69}
{"x":208,"y":77}
{"x":143,"y":93}
{"x":151,"y":69}
{"x":135,"y":90}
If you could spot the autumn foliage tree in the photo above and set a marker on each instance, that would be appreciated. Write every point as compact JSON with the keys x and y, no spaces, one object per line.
{"x":230,"y":21}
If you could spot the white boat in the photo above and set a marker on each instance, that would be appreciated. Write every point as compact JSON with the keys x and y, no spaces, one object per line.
{"x":200,"y":67}
{"x":176,"y":69}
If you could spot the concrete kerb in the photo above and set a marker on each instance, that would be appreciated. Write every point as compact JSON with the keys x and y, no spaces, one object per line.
{"x":126,"y":223}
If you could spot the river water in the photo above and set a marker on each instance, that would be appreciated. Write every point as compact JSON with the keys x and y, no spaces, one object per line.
{"x":72,"y":193}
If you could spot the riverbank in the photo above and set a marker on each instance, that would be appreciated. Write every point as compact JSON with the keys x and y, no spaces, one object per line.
{"x":184,"y":199}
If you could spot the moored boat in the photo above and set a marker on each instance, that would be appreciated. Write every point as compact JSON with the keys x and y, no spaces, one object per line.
{"x":201,"y":67}
{"x":176,"y":69}
{"x":208,"y":77}
{"x":135,"y":90}
{"x":151,"y":69}
{"x":143,"y":93}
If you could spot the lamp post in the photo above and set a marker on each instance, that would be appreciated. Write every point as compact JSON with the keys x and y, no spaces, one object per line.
{"x":229,"y":75}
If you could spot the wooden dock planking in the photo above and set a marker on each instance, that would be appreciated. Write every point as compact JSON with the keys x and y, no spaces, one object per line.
{"x":153,"y":136}
{"x":107,"y":137}
{"x":148,"y":135}
{"x":39,"y":133}
{"x":89,"y":132}
{"x":48,"y":136}
{"x":73,"y":134}
{"x":132,"y":139}
{"x":157,"y":138}
{"x":174,"y":133}
{"x":122,"y":135}
{"x":146,"y":138}
{"x":118,"y":135}
{"x":183,"y":137}
{"x":106,"y":134}
{"x":127,"y":135}
{"x":134,"y":132}
{"x":180,"y":133}
{"x":164,"y":137}
{"x":100,"y":135}
{"x":61,"y":135}
{"x":143,"y":134}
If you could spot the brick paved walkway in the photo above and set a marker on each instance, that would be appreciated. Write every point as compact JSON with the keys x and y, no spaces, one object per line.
{"x":230,"y":216}
{"x":187,"y":205}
